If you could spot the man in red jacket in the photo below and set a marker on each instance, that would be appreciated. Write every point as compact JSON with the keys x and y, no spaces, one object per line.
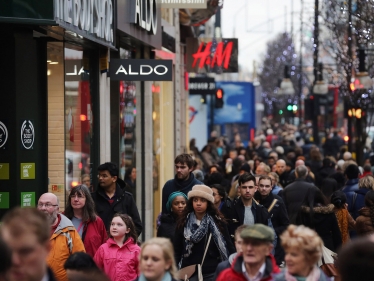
{"x":256,"y":262}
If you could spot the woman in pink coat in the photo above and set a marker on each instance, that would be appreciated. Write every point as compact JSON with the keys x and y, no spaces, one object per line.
{"x":119,"y":256}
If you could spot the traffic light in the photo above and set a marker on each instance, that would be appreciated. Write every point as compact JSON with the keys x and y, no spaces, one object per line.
{"x":219,"y":98}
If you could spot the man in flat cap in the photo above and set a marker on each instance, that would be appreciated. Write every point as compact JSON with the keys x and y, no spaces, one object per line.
{"x":255,"y":262}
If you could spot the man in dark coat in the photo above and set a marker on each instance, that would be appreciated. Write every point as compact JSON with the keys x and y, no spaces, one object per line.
{"x":351,"y":174}
{"x":294,"y":194}
{"x":246,"y":210}
{"x":111,"y":198}
{"x":183,"y":181}
{"x":277,"y":210}
{"x":282,"y":173}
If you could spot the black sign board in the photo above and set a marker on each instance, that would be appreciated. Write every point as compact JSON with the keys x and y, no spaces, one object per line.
{"x":141,"y":70}
{"x":27,"y":134}
{"x":202,"y":86}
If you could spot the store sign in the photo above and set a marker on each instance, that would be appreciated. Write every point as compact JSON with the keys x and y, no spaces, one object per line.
{"x":27,"y":199}
{"x":184,"y":4}
{"x":212,"y":55}
{"x":4,"y":171}
{"x":94,"y":17}
{"x":4,"y":200}
{"x":202,"y":86}
{"x":27,"y":171}
{"x":141,"y":70}
{"x":144,"y":14}
{"x":3,"y":134}
{"x":27,"y":134}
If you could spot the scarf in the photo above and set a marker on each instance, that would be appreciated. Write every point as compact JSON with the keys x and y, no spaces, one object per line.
{"x":193,"y":234}
{"x":167,"y":277}
{"x":314,"y":275}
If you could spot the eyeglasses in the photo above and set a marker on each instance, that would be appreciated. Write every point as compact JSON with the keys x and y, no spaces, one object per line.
{"x":249,"y":186}
{"x":79,"y":196}
{"x":262,"y":186}
{"x":47,"y":205}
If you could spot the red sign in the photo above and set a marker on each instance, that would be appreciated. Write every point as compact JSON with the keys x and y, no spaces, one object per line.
{"x":218,"y":55}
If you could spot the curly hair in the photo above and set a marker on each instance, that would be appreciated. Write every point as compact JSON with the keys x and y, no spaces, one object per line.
{"x":130,"y":225}
{"x":305,"y":239}
{"x":211,"y":210}
{"x":369,"y":202}
{"x":88,"y":212}
{"x":167,"y":249}
{"x":366,"y":182}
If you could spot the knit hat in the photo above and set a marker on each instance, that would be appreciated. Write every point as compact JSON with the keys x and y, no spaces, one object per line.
{"x":202,"y":191}
{"x":171,"y":198}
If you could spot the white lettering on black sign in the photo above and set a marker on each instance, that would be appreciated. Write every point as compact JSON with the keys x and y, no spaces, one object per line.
{"x":3,"y":134}
{"x":93,"y":16}
{"x":27,"y":134}
{"x":146,"y":15}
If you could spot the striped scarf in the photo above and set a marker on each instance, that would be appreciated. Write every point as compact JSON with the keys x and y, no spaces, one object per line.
{"x":193,"y":233}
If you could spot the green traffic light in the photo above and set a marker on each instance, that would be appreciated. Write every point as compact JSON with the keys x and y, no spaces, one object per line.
{"x":294,"y":108}
{"x":289,"y":107}
{"x":281,"y":112}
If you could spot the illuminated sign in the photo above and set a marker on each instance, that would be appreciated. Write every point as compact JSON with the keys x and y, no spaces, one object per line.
{"x":201,"y":86}
{"x":214,"y":55}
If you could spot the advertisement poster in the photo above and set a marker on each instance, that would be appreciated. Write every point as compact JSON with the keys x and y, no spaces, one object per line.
{"x":4,"y":200}
{"x":4,"y":171}
{"x":27,"y":171}
{"x":27,"y":199}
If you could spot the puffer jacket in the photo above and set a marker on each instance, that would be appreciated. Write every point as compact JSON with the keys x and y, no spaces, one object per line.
{"x":235,"y":272}
{"x":64,"y":242}
{"x":119,"y":263}
{"x":94,"y":235}
{"x":364,"y":224}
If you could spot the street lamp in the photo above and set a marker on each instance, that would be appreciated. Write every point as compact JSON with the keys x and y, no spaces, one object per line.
{"x":320,"y":87}
{"x":286,"y":86}
{"x":362,"y":79}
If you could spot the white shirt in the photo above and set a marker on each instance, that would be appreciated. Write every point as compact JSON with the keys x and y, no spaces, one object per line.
{"x":258,"y":276}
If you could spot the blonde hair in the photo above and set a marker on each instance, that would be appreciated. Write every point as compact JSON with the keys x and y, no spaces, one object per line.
{"x":267,"y":169}
{"x":167,"y":250}
{"x":275,"y":176}
{"x":303,"y":238}
{"x":366,"y":182}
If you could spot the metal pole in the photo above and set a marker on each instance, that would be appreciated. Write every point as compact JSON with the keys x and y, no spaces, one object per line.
{"x":212,"y":106}
{"x":349,"y":74}
{"x":315,"y":70}
{"x":301,"y":65}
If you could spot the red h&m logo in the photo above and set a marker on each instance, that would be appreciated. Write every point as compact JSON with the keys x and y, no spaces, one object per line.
{"x":220,"y":58}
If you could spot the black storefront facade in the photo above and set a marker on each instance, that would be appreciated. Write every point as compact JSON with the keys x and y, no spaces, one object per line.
{"x":54,"y":59}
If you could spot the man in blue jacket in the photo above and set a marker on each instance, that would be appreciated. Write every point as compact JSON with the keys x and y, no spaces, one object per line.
{"x":351,"y":174}
{"x":183,"y":181}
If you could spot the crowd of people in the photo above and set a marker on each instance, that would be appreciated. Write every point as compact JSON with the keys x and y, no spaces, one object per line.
{"x":278,"y":209}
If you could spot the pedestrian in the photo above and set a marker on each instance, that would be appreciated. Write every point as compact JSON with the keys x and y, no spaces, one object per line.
{"x":365,"y":220}
{"x":282,"y":173}
{"x":168,"y":222}
{"x":80,"y":263}
{"x":255,"y":262}
{"x":345,"y":220}
{"x":365,"y":184}
{"x":356,"y":259}
{"x":86,"y":180}
{"x":276,"y":189}
{"x":157,"y":261}
{"x":119,"y":256}
{"x":183,"y":181}
{"x":27,"y":233}
{"x":80,"y":209}
{"x":277,"y":212}
{"x":247,"y":211}
{"x":130,"y":180}
{"x":328,"y":187}
{"x":64,"y":239}
{"x":238,"y":246}
{"x":5,"y":260}
{"x":111,"y":198}
{"x":316,"y":214}
{"x":351,"y":175}
{"x":200,"y":222}
{"x":294,"y":194}
{"x":303,"y":249}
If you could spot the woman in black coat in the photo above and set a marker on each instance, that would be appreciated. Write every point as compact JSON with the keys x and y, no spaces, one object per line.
{"x":176,"y":204}
{"x":200,"y":220}
{"x":315,"y":213}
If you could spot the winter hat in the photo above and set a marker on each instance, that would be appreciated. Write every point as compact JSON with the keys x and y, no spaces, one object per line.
{"x":202,"y":191}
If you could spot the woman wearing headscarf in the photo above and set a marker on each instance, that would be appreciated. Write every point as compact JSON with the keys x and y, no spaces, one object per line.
{"x":202,"y":220}
{"x":176,"y":204}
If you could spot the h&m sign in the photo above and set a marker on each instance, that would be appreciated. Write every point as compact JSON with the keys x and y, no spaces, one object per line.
{"x":141,"y":70}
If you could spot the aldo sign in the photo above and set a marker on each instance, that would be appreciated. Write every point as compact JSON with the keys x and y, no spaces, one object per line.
{"x":141,"y":70}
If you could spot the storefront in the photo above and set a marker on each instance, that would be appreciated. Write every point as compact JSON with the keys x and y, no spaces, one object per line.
{"x":54,"y":90}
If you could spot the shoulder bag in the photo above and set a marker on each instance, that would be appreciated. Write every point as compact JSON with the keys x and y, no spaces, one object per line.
{"x":185,"y":273}
{"x":326,"y":263}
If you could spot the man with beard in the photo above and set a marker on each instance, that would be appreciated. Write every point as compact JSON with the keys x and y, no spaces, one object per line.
{"x":111,"y":198}
{"x":183,"y":181}
{"x":64,"y":240}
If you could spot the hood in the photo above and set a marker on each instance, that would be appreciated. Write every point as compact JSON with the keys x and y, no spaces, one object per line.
{"x":362,"y":191}
{"x":365,"y":211}
{"x":329,"y":209}
{"x":232,"y":257}
{"x":64,"y":222}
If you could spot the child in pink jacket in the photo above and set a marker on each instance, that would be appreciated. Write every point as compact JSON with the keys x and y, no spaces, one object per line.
{"x":119,"y":256}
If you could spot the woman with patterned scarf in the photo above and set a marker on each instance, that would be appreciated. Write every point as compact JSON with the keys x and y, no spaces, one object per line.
{"x":200,"y":219}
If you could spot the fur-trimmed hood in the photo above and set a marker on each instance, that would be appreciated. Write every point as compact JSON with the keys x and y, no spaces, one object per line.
{"x":319,"y":209}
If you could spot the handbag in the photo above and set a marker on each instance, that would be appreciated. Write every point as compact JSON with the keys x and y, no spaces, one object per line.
{"x":326,"y":263}
{"x":185,"y":273}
